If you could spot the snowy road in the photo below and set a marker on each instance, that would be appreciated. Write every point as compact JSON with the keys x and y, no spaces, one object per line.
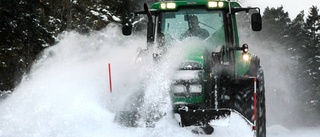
{"x":67,"y":93}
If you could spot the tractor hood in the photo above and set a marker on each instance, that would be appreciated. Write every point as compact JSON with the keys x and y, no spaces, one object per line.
{"x":196,"y":54}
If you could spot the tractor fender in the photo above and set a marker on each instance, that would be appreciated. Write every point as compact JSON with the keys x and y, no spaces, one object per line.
{"x":254,"y":66}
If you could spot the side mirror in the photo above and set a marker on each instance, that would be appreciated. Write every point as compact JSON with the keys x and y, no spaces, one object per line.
{"x":127,"y":29}
{"x":127,"y":17}
{"x":256,"y":22}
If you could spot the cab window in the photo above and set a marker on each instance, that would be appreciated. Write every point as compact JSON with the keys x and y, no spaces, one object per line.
{"x":193,"y":22}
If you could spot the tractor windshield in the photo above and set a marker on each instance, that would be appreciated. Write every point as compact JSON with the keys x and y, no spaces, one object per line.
{"x":201,"y":23}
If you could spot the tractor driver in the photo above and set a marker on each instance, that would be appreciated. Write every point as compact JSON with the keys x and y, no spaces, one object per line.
{"x":194,"y":28}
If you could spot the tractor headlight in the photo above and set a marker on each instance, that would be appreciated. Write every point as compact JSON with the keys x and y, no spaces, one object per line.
{"x":245,"y":50}
{"x":179,"y":89}
{"x":195,"y":88}
{"x":245,"y":56}
{"x":185,"y":89}
{"x":187,"y":81}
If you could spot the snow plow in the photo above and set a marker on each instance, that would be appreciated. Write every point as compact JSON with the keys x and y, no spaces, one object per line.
{"x":214,"y":80}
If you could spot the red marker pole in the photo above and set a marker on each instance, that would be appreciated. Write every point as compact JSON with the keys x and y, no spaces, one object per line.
{"x":110,"y":80}
{"x":110,"y":84}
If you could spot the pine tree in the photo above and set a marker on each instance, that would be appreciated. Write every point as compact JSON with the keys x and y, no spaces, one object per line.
{"x":312,"y":25}
{"x":297,"y":43}
{"x":297,"y":32}
{"x":275,"y":25}
{"x":23,"y":36}
{"x":312,"y":65}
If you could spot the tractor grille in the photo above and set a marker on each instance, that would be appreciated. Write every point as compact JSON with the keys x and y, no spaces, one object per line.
{"x":188,"y":79}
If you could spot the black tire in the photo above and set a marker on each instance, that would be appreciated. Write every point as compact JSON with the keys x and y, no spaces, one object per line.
{"x":256,"y":71}
{"x":261,"y":107}
{"x":243,"y":103}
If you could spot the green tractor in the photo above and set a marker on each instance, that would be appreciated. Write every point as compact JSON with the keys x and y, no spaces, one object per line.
{"x":223,"y":77}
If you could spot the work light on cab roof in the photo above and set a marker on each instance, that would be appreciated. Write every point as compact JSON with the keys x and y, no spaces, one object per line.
{"x":215,"y":4}
{"x":168,"y":5}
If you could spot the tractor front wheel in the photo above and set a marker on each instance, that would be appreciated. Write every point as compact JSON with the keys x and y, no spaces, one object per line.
{"x":261,"y":107}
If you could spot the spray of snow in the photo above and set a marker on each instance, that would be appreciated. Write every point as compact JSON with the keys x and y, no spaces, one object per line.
{"x":66,"y":92}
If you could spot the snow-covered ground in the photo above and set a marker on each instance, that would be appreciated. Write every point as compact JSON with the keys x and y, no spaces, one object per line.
{"x":67,"y":93}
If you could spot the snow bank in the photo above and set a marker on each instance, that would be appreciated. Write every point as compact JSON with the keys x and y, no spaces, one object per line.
{"x":280,"y":131}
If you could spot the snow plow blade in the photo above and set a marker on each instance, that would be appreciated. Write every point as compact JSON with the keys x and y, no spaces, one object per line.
{"x":199,"y":117}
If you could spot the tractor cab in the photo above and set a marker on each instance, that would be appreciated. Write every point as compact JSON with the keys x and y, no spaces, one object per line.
{"x":213,"y":21}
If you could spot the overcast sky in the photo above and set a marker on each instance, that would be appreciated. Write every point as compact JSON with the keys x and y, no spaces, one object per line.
{"x":293,"y":7}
